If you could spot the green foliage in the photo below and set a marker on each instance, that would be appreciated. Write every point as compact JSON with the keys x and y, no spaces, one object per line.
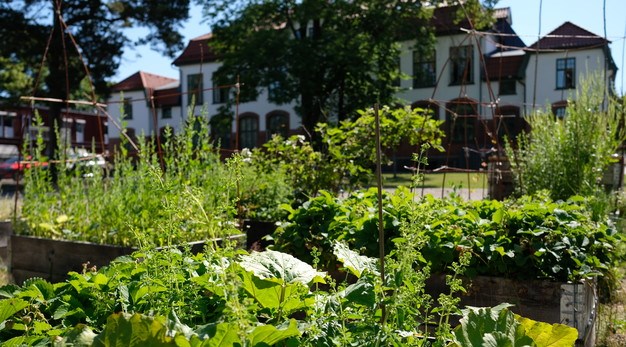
{"x":187,"y":194}
{"x":96,"y":28}
{"x":525,"y":238}
{"x":325,"y":219}
{"x":228,"y":298}
{"x":345,"y":61}
{"x":569,"y":156}
{"x":497,"y":326}
{"x":356,"y":139}
{"x":348,"y":153}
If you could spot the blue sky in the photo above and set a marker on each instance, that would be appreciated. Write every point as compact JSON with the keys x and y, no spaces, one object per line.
{"x":587,"y":14}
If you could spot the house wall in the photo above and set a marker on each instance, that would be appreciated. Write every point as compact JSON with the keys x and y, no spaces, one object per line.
{"x":484,"y":94}
{"x":142,"y":117}
{"x":261,"y":107}
{"x":588,"y":61}
{"x":477,"y":90}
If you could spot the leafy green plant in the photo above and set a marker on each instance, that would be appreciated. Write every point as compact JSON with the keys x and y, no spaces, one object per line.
{"x":531,"y":237}
{"x":345,"y":156}
{"x":497,"y":326}
{"x":184,"y":193}
{"x":569,"y":156}
{"x":325,"y":218}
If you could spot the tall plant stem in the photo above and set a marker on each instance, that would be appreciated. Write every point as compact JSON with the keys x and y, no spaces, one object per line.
{"x":381,"y":230}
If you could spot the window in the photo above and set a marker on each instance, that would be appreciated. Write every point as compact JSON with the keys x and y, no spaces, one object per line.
{"x":166,"y":113}
{"x":128,"y":108}
{"x":461,"y":65}
{"x":461,"y":118}
{"x":80,"y":130}
{"x":130,"y":136}
{"x":508,"y":87}
{"x":560,"y":112}
{"x":220,"y":94}
{"x":106,"y":133}
{"x":66,"y":131}
{"x":277,"y":123}
{"x":248,"y":131}
{"x":194,"y":88}
{"x":6,"y":129}
{"x":559,"y":109}
{"x":565,"y":73}
{"x":424,"y":69}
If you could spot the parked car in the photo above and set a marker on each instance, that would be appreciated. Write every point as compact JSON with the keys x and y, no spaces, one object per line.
{"x":13,"y":167}
{"x":86,"y":162}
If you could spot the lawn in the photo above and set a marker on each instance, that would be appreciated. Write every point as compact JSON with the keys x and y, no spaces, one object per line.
{"x":473,"y":180}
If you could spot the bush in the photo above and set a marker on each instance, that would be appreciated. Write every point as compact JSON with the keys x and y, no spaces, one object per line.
{"x":526,"y":238}
{"x":568,"y":156}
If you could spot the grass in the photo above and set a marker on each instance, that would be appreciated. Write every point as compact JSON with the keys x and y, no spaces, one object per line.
{"x":472,"y":180}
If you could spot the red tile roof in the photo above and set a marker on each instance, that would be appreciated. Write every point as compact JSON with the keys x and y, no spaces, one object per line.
{"x":142,"y":80}
{"x":196,"y":51}
{"x":569,"y":36}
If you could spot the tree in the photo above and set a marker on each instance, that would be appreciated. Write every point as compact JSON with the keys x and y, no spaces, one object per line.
{"x":98,"y":28}
{"x":330,"y":57}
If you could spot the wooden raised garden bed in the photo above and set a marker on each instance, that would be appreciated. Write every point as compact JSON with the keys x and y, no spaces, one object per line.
{"x":572,"y":304}
{"x":49,"y":259}
{"x":53,"y":259}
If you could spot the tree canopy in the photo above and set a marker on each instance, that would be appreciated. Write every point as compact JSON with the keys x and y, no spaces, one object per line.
{"x":330,"y":57}
{"x":40,"y":33}
{"x":99,"y":29}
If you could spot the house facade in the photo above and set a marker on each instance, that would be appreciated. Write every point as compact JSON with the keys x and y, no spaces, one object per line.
{"x":80,"y":129}
{"x":481,"y":83}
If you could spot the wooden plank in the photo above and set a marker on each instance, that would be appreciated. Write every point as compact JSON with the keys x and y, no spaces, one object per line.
{"x":53,"y":259}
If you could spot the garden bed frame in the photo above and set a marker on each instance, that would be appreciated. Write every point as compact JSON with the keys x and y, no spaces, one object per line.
{"x":572,"y":304}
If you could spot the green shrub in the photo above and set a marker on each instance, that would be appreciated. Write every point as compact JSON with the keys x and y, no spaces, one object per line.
{"x":186,"y":193}
{"x":568,"y":156}
{"x":531,"y":237}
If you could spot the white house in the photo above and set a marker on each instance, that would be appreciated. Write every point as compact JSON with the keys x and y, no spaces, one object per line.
{"x":481,"y":83}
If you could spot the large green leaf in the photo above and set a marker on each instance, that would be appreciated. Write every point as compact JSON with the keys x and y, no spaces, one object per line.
{"x":353,"y":261}
{"x":490,"y":326}
{"x":549,"y":335}
{"x":81,"y":335}
{"x":9,"y":307}
{"x":137,"y":330}
{"x":37,"y":289}
{"x":219,"y":335}
{"x":362,"y":292}
{"x":272,"y":295}
{"x":274,"y":265}
{"x":269,"y":335}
